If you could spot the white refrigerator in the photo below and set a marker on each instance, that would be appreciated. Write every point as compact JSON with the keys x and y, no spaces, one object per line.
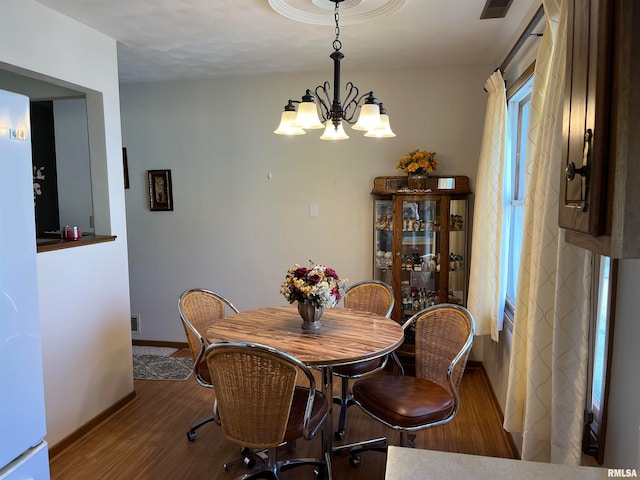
{"x":23,"y":451}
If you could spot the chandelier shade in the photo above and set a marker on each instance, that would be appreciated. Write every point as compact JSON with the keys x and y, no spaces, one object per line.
{"x":307,"y":116}
{"x":333,"y":132}
{"x":286,"y":126}
{"x":384,"y":130}
{"x":369,"y":116}
{"x":318,"y":110}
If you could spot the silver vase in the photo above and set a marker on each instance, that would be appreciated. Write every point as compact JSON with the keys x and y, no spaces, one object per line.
{"x":310,"y":316}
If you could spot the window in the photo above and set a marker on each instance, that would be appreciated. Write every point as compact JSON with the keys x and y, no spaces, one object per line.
{"x":598,"y":369}
{"x":600,"y":334}
{"x":518,"y":108}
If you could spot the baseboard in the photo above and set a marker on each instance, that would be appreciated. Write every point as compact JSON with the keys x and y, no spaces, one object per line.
{"x":475,"y":364}
{"x":160,"y":343}
{"x":87,"y":427}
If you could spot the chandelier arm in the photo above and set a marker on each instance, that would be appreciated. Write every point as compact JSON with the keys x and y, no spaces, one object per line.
{"x":323,"y":91}
{"x":289,"y":107}
{"x":350,"y":102}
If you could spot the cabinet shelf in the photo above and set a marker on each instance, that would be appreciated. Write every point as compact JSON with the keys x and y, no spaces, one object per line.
{"x":421,"y":242}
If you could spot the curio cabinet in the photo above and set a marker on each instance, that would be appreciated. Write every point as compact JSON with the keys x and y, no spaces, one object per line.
{"x":421,"y":245}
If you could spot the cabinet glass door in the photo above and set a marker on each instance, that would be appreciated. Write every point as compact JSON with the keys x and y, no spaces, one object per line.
{"x":383,"y":241}
{"x":420,"y":255}
{"x":458,"y":252}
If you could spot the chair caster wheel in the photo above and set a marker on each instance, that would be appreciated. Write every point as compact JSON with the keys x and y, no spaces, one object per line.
{"x":339,"y":435}
{"x":321,"y":474}
{"x":354,"y":460}
{"x":191,"y":435}
{"x":249,"y":462}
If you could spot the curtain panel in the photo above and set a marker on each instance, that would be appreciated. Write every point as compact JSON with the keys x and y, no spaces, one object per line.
{"x":548,"y":367}
{"x":489,"y":243}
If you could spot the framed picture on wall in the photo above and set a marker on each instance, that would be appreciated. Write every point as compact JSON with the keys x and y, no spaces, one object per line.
{"x":160,"y":191}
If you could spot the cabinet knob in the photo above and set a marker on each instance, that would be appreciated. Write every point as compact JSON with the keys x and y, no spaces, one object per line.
{"x":571,"y":171}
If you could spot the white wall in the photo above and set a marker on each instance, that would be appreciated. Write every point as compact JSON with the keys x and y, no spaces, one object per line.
{"x":83,"y":291}
{"x":235,"y":230}
{"x":622,"y":449}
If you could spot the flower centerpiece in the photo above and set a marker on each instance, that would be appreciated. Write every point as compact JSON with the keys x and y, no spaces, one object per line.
{"x":418,"y":164}
{"x":315,"y":289}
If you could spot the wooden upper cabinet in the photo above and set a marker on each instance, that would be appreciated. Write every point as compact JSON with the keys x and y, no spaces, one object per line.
{"x":586,"y":122}
{"x":599,"y":186}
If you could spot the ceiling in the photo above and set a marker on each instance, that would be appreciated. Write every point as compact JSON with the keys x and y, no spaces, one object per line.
{"x":191,"y":39}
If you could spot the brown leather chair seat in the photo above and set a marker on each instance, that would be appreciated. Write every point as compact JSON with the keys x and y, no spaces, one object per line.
{"x":296,"y":417}
{"x":404,"y":401}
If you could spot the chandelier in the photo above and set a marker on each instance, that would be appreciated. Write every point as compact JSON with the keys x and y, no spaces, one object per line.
{"x":317,"y":110}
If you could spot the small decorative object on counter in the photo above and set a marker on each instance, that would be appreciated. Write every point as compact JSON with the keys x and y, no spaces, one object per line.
{"x":315,"y":289}
{"x":71,"y":233}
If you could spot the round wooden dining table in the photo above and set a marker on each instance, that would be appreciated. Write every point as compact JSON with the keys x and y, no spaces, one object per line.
{"x":345,"y":336}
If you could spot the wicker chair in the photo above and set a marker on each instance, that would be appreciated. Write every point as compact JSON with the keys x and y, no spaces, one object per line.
{"x":198,"y":309}
{"x":369,"y":296}
{"x":444,"y":335}
{"x":259,"y":404}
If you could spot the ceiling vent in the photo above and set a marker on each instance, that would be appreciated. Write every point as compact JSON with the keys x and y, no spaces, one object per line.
{"x":495,"y":9}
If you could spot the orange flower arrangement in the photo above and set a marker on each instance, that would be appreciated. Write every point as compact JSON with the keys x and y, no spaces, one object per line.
{"x":418,"y":162}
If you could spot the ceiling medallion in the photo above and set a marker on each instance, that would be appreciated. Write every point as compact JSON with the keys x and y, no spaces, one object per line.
{"x":318,"y":12}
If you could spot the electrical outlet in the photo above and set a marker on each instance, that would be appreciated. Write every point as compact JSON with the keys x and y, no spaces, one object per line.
{"x":135,"y":324}
{"x":314,"y":210}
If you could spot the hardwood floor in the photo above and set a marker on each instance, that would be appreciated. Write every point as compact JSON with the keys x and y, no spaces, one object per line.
{"x":147,"y":438}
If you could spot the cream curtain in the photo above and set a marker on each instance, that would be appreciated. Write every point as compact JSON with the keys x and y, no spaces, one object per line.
{"x":547,"y":375}
{"x":488,"y":274}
